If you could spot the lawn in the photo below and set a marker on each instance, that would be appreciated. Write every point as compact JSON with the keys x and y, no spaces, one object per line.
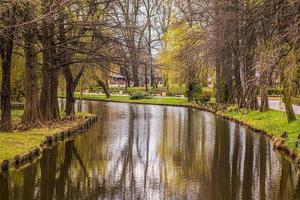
{"x":273,"y":122}
{"x":19,"y":142}
{"x":154,"y":100}
{"x":172,"y":91}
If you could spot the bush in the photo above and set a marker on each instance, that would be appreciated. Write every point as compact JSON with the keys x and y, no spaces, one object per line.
{"x":206,"y":95}
{"x":197,"y":91}
{"x":275,"y":91}
{"x":139,"y":96}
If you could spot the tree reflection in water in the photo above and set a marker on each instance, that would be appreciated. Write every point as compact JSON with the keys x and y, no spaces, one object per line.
{"x":154,"y":152}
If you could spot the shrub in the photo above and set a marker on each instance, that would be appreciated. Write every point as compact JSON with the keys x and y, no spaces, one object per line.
{"x":275,"y":91}
{"x":197,"y":91}
{"x":139,"y":96}
{"x":206,"y":95}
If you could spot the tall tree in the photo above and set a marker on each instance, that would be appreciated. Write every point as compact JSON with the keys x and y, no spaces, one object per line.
{"x":8,"y":18}
{"x":31,"y":108}
{"x":48,"y":98}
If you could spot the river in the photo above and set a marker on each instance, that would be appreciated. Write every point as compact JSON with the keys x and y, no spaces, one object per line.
{"x":156,"y":152}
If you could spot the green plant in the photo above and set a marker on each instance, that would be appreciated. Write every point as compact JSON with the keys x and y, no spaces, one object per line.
{"x":197,"y":91}
{"x":275,"y":91}
{"x":140,"y":95}
{"x":206,"y":95}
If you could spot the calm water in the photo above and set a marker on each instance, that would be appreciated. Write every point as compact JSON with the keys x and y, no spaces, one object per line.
{"x":155,"y":152}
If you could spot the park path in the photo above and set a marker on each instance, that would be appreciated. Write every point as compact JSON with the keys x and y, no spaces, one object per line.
{"x":279,"y":105}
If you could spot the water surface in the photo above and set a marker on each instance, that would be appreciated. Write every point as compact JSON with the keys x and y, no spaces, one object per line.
{"x":156,"y":152}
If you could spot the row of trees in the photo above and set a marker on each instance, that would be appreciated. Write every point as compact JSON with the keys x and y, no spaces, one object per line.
{"x":251,"y":45}
{"x":257,"y":47}
{"x":68,"y":38}
{"x":50,"y":37}
{"x":139,"y":25}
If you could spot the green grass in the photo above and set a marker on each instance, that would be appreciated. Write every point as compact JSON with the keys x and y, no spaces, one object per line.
{"x":19,"y":142}
{"x":273,"y":122}
{"x":154,"y":100}
{"x":16,"y":115}
{"x":173,"y":90}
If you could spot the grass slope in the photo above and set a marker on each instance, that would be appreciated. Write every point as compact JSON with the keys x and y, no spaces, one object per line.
{"x":273,"y":122}
{"x":19,"y":142}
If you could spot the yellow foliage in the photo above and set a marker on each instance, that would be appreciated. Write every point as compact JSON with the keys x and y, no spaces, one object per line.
{"x":180,"y":54}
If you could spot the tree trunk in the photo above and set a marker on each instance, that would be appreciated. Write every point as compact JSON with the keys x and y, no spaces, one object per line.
{"x":63,"y":58}
{"x":70,"y":87}
{"x":49,"y":99}
{"x":71,"y":84}
{"x":223,"y":56}
{"x":264,"y":82}
{"x":102,"y":84}
{"x":224,"y":81}
{"x":190,"y":92}
{"x":6,"y":47}
{"x":228,"y":79}
{"x":6,"y":124}
{"x":54,"y":95}
{"x":219,"y":81}
{"x":45,"y":98}
{"x":70,"y":99}
{"x":287,"y":99}
{"x":31,"y":108}
{"x":252,"y":102}
{"x":135,"y":75}
{"x":5,"y":94}
{"x":264,"y":105}
{"x":239,"y":92}
{"x":152,"y":78}
{"x":125,"y":73}
{"x":146,"y":78}
{"x":250,"y":71}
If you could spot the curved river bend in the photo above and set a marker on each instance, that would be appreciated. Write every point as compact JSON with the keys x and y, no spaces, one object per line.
{"x":156,"y":152}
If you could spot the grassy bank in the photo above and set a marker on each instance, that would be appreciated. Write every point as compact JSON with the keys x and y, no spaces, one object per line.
{"x":272,"y":122}
{"x":18,"y":142}
{"x":172,"y":91}
{"x":154,"y":100}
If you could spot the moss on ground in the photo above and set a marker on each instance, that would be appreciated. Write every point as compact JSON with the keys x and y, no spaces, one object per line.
{"x":19,"y":142}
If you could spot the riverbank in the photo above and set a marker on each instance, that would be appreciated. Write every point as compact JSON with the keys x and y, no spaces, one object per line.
{"x":126,"y":99}
{"x":285,"y":136}
{"x":21,"y":146}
